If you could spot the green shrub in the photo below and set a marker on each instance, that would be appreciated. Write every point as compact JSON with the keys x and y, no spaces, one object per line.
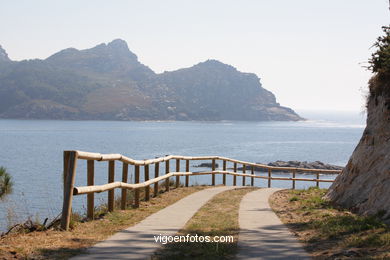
{"x":6,"y":183}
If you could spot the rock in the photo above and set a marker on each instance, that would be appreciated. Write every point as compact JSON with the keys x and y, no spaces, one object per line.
{"x":297,"y":164}
{"x":364,"y":184}
{"x":3,"y":55}
{"x":207,"y":165}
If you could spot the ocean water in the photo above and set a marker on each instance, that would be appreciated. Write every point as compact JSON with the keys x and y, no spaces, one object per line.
{"x":32,"y":151}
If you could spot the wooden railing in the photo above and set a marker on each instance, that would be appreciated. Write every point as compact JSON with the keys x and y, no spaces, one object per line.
{"x":70,"y":164}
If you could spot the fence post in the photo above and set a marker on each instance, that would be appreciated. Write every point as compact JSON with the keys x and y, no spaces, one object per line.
{"x":253,"y":173}
{"x":224,"y":175}
{"x":156,"y":173}
{"x":147,"y":188}
{"x":66,"y":170}
{"x":70,"y":163}
{"x":293,"y":182}
{"x":125,"y":171}
{"x":166,"y":172}
{"x":177,"y":170}
{"x":269,"y":178}
{"x":243,"y":171}
{"x":136,"y":191}
{"x":90,"y":182}
{"x":213,"y":175}
{"x":187,"y":170}
{"x":318,"y":182}
{"x":111,"y":177}
{"x":234,"y":176}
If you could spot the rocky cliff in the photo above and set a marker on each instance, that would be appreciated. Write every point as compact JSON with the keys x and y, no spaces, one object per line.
{"x":364,"y":184}
{"x":108,"y":82}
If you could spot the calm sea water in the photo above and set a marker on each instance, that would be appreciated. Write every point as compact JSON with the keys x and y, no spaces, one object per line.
{"x":32,"y":151}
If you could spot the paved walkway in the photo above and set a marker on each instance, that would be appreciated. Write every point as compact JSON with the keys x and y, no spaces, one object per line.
{"x":137,"y":242}
{"x":262,"y":235}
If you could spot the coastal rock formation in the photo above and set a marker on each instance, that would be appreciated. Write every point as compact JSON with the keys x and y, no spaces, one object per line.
{"x":364,"y":184}
{"x":306,"y":165}
{"x":294,"y":164}
{"x":108,"y":82}
{"x":207,"y":165}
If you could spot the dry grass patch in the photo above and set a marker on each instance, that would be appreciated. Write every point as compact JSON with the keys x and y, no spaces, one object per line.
{"x":52,"y":244}
{"x":329,"y":232}
{"x":219,"y":217}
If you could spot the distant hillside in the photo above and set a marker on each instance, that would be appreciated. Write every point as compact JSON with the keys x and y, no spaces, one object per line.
{"x":108,"y":82}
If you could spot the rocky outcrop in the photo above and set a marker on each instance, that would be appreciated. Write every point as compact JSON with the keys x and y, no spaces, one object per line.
{"x":364,"y":184}
{"x":294,"y":164}
{"x":305,"y":165}
{"x":3,"y":55}
{"x":206,"y":165}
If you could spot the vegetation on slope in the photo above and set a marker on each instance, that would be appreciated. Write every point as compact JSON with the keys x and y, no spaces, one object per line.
{"x":380,"y":65}
{"x":329,"y":232}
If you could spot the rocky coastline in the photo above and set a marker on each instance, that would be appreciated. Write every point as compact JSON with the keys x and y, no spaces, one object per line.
{"x":279,"y":163}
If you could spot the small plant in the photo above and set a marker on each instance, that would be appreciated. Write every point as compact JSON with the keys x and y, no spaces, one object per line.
{"x":6,"y":183}
{"x":294,"y":198}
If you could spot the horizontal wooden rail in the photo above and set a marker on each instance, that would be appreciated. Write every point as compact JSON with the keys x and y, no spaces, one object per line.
{"x":123,"y":185}
{"x":109,"y":157}
{"x":71,"y":157}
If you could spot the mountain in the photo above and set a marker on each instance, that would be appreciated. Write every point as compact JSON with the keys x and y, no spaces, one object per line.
{"x":108,"y":82}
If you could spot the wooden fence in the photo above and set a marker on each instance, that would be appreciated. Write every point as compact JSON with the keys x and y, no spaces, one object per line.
{"x":70,"y":164}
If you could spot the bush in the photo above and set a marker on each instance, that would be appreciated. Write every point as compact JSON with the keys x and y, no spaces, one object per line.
{"x":6,"y":183}
{"x":380,"y":59}
{"x":380,"y":64}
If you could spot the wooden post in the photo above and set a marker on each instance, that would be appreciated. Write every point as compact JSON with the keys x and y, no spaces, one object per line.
{"x":70,"y":163}
{"x":177,"y":170}
{"x":66,"y":169}
{"x":293,"y":182}
{"x":156,"y":173}
{"x":317,"y":182}
{"x":243,"y":177}
{"x":269,"y":178}
{"x":234,"y":176}
{"x":224,"y":175}
{"x":111,"y":177}
{"x":253,"y":178}
{"x":147,"y":188}
{"x":136,"y":191}
{"x":187,"y":170}
{"x":166,"y":172}
{"x":90,"y":182}
{"x":213,"y":175}
{"x":125,"y":171}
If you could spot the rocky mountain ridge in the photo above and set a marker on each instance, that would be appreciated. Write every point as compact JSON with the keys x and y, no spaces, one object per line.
{"x":107,"y":82}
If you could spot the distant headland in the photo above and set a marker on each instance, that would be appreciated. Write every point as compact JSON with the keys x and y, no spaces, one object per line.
{"x":108,"y":82}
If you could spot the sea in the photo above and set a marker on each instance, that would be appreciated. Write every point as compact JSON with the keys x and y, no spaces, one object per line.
{"x":32,"y":152}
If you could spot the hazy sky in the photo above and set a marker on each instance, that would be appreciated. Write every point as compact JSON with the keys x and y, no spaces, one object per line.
{"x":309,"y":53}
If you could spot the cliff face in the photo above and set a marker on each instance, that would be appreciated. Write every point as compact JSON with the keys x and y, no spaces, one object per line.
{"x":108,"y":82}
{"x":364,"y":184}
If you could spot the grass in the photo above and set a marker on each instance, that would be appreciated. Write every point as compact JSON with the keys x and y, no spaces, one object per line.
{"x":219,"y":217}
{"x":329,"y":232}
{"x":53,"y":244}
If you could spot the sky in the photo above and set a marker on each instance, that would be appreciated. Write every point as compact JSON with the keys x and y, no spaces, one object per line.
{"x":310,"y":53}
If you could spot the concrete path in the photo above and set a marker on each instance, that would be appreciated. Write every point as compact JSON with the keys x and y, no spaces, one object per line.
{"x":262,"y":235}
{"x":137,"y":242}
